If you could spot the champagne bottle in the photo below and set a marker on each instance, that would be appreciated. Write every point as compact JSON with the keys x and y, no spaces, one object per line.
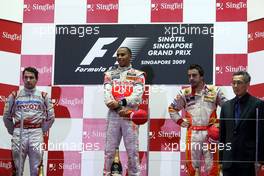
{"x":41,"y":171}
{"x":116,"y":168}
{"x":41,"y":168}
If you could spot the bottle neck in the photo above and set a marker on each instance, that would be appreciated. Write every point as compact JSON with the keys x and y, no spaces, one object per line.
{"x":116,"y":158}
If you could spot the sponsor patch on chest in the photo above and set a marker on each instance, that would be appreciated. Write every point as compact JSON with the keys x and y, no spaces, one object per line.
{"x":131,"y":78}
{"x":209,"y":98}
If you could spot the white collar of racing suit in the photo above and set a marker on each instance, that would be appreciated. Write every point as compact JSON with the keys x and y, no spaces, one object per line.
{"x":30,"y":90}
{"x":124,"y":68}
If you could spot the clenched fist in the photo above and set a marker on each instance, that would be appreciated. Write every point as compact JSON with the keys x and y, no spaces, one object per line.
{"x":112,"y":104}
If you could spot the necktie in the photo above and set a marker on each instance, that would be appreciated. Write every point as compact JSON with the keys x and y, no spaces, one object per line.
{"x":237,"y":111}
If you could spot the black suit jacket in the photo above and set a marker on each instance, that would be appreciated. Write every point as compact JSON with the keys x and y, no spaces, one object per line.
{"x":241,"y":137}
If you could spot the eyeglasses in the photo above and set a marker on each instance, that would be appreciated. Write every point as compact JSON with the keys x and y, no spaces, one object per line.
{"x":237,"y":83}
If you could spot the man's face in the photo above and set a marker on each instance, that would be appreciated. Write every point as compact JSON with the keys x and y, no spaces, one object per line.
{"x":194,"y":77}
{"x":239,"y":86}
{"x":30,"y":80}
{"x":123,"y":57}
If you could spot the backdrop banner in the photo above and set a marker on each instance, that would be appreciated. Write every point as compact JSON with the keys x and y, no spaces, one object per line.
{"x":164,"y":51}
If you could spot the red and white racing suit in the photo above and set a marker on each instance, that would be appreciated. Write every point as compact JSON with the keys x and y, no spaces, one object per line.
{"x":37,"y":112}
{"x":127,"y":85}
{"x":200,"y":112}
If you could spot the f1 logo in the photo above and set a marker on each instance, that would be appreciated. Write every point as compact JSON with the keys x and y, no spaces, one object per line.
{"x":134,"y":43}
{"x":97,"y":50}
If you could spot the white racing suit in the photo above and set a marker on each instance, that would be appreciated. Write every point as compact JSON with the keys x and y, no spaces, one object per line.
{"x":37,"y":112}
{"x":126,"y":84}
{"x":200,"y":112}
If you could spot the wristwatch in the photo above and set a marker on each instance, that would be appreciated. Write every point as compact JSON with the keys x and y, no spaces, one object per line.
{"x":122,"y":102}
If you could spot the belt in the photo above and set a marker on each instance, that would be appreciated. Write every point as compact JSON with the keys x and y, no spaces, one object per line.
{"x":199,"y":128}
{"x":28,"y":126}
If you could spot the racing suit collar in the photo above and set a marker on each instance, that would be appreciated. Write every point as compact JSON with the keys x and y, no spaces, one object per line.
{"x":194,"y":92}
{"x":124,"y":68}
{"x":30,"y":90}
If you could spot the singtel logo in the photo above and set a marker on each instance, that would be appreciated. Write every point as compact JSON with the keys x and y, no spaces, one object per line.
{"x":256,"y":35}
{"x":164,"y":134}
{"x":55,"y":101}
{"x":171,"y":6}
{"x":231,"y":5}
{"x":230,"y":69}
{"x":152,"y":135}
{"x":38,"y":7}
{"x":11,"y":37}
{"x":72,"y":102}
{"x":259,"y":34}
{"x":155,"y":7}
{"x":90,"y":7}
{"x":250,"y":37}
{"x":102,"y":7}
{"x":145,"y":101}
{"x":52,"y":167}
{"x":5,"y":165}
{"x":94,"y":133}
{"x":72,"y":166}
{"x":171,"y":134}
{"x":166,"y":6}
{"x":143,"y":166}
{"x":183,"y":167}
{"x":44,"y":69}
{"x":3,"y":98}
{"x":219,"y":6}
{"x":219,"y":70}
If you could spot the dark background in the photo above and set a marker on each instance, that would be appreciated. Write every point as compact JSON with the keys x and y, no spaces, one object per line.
{"x":70,"y":50}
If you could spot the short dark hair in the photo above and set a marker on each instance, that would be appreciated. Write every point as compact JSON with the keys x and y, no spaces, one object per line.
{"x":197,"y":67}
{"x":128,"y":49}
{"x":245,"y":75}
{"x":32,"y":70}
